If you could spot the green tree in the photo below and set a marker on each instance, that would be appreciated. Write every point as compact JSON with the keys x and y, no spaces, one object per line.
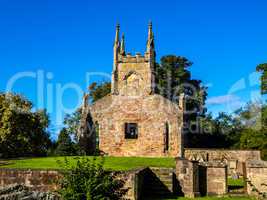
{"x":97,"y":91}
{"x":263,"y":69}
{"x":253,"y":139}
{"x":71,"y":122}
{"x":252,"y":132}
{"x":174,"y":78}
{"x":22,"y":132}
{"x":171,"y":75}
{"x":64,"y":144}
{"x":87,"y":180}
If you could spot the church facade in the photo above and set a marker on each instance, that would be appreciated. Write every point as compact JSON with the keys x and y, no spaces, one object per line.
{"x":133,"y":120}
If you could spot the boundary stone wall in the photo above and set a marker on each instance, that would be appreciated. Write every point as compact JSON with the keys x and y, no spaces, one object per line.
{"x":39,"y":180}
{"x":234,"y":159}
{"x":256,"y":176}
{"x":45,"y":180}
{"x":221,"y":154}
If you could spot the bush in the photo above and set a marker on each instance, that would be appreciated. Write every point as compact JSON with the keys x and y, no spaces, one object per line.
{"x":87,"y":180}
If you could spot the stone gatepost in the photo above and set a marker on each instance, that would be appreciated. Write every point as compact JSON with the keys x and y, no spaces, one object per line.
{"x":187,"y":175}
{"x":216,"y":178}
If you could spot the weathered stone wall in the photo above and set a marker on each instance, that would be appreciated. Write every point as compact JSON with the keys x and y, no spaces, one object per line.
{"x":206,"y":178}
{"x":221,"y":154}
{"x":235,"y":159}
{"x":256,"y":177}
{"x":18,"y":192}
{"x":135,"y":76}
{"x":39,"y":180}
{"x":46,"y":180}
{"x":216,"y":178}
{"x":151,"y":113}
{"x":133,"y":183}
{"x":187,"y":173}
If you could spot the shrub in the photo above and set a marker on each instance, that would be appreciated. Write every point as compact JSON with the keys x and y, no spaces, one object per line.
{"x":87,"y":180}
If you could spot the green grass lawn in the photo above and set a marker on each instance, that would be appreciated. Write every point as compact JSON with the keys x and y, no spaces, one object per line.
{"x":111,"y":163}
{"x":220,"y":198}
{"x":210,"y":198}
{"x":236,"y":182}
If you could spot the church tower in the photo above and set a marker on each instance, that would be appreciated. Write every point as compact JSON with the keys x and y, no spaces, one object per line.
{"x":133,"y":75}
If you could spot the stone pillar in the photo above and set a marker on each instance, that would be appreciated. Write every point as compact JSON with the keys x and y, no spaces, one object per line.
{"x":187,"y":175}
{"x":216,"y":178}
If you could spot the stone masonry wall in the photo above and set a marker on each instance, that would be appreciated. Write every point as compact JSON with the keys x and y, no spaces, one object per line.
{"x":187,"y":173}
{"x":133,"y":181}
{"x":216,"y":178}
{"x":39,"y":180}
{"x":256,"y":178}
{"x":45,"y":180}
{"x":151,"y":113}
{"x":221,"y":154}
{"x":134,"y":78}
{"x":235,"y":159}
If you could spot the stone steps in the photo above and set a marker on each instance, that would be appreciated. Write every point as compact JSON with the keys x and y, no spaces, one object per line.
{"x":158,"y":182}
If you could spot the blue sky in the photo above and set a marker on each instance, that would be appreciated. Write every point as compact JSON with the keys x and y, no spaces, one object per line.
{"x":62,"y":40}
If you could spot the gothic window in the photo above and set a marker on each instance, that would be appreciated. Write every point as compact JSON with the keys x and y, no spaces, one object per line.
{"x":131,"y":131}
{"x":132,"y":83}
{"x":166,"y":137}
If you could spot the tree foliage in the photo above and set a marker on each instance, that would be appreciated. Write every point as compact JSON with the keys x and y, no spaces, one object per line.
{"x":22,"y":131}
{"x":254,"y":133}
{"x":220,"y":132}
{"x":71,"y":122}
{"x":263,"y":69}
{"x":99,"y":90}
{"x":65,"y":146}
{"x":88,"y":180}
{"x":173,"y":78}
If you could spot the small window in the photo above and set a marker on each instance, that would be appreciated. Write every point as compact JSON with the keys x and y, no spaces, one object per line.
{"x":131,"y":131}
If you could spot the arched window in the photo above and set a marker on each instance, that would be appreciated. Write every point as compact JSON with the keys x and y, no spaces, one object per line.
{"x":132,"y":83}
{"x":166,"y":137}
